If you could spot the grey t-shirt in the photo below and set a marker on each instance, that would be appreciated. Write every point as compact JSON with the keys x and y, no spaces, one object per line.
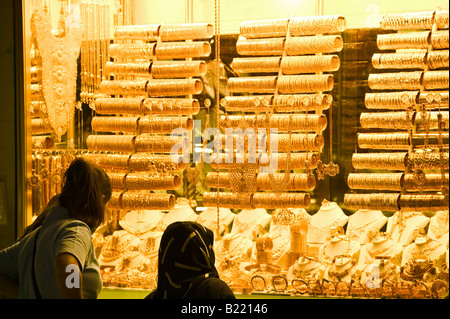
{"x":59,"y":234}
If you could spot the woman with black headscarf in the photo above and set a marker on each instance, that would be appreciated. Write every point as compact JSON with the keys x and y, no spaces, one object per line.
{"x":186,"y":265}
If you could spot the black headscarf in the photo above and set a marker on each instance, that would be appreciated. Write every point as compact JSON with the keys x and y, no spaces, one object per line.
{"x":185,"y":258}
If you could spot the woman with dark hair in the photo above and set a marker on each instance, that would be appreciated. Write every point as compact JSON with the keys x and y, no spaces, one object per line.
{"x":55,"y":258}
{"x":186,"y":265}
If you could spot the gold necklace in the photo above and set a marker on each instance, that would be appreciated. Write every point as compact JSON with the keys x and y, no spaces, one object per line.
{"x":59,"y":71}
{"x":136,"y":230}
{"x":440,"y":227}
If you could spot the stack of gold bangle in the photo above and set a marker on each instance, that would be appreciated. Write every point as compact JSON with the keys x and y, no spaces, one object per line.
{"x":408,"y":21}
{"x":252,"y":103}
{"x":228,"y":160}
{"x":143,"y":181}
{"x":314,"y":44}
{"x":128,"y":105}
{"x":297,"y":160}
{"x":132,"y":50}
{"x":256,"y":65}
{"x":134,"y":162}
{"x":426,"y":140}
{"x":297,"y":181}
{"x":317,"y":24}
{"x":302,"y":102}
{"x":297,"y":142}
{"x":256,"y":84}
{"x":114,"y":124}
{"x":438,"y":59}
{"x":151,"y":201}
{"x":218,"y":180}
{"x":379,"y":181}
{"x":436,"y":80}
{"x":124,"y":87}
{"x":182,"y":50}
{"x":177,"y":69}
{"x":373,"y":201}
{"x":310,"y":64}
{"x":402,"y":60}
{"x":137,"y":32}
{"x":385,"y":161}
{"x":423,"y":203}
{"x":432,"y":182}
{"x":117,"y":180}
{"x":281,"y":200}
{"x":434,"y":98}
{"x":391,"y":100}
{"x":108,"y":161}
{"x":115,"y":200}
{"x":409,"y":40}
{"x":283,"y":122}
{"x":260,"y":47}
{"x":389,"y":120}
{"x":114,"y":143}
{"x":159,"y":144}
{"x":187,"y":31}
{"x":396,"y":140}
{"x":396,"y":81}
{"x":289,"y":84}
{"x":252,"y":141}
{"x":162,"y":106}
{"x":41,"y":126}
{"x":156,"y":124}
{"x":175,"y":87}
{"x":115,"y":68}
{"x":228,"y":200}
{"x":144,"y":161}
{"x":428,"y":160}
{"x":440,"y":39}
{"x":270,"y":28}
{"x":441,"y":19}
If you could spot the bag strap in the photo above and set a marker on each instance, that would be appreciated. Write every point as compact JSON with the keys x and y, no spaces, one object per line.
{"x":33,"y":274}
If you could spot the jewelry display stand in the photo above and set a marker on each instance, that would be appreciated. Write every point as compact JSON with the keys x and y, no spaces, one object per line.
{"x":380,"y":246}
{"x":426,"y":248}
{"x":339,"y":255}
{"x":363,"y":223}
{"x":402,"y":226}
{"x":438,"y":227}
{"x":249,"y":222}
{"x":329,"y":216}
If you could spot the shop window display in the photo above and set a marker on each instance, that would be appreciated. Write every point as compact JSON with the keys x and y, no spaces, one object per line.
{"x":387,"y":237}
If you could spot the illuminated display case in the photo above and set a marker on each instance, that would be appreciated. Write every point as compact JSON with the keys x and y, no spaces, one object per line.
{"x":311,"y":137}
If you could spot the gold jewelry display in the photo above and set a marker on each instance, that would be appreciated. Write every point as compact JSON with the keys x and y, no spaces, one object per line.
{"x":59,"y":57}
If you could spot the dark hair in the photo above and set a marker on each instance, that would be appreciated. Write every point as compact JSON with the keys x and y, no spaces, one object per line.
{"x":86,"y":190}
